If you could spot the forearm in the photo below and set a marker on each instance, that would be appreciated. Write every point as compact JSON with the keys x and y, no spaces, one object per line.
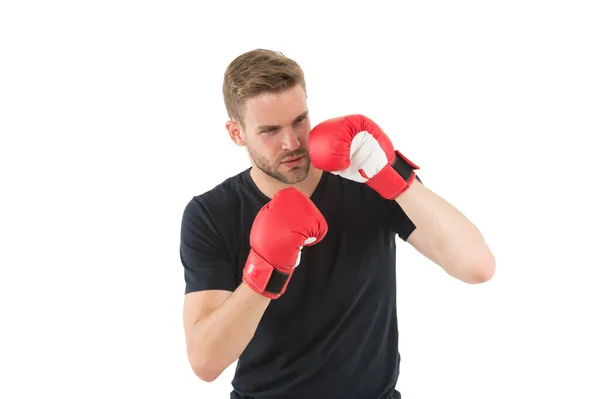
{"x":446,"y":236}
{"x":220,"y":338}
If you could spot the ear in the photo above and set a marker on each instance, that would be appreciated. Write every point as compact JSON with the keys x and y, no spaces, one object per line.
{"x":235,"y":133}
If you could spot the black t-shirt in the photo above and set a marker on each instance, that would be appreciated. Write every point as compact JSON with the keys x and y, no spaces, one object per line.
{"x":333,"y":333}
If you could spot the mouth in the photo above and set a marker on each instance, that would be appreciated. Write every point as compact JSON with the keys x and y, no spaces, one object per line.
{"x":292,"y":159}
{"x":293,"y":162}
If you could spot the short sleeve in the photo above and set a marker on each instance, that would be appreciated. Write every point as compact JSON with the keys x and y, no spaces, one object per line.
{"x":400,"y":222}
{"x":203,"y":253}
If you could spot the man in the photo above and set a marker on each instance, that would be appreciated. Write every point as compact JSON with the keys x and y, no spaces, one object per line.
{"x":290,"y":264}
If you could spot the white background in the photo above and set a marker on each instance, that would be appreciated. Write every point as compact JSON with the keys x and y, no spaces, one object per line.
{"x":112,"y":118}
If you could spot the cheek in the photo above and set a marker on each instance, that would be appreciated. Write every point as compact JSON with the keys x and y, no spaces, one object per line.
{"x":303,"y":136}
{"x":269,"y":146}
{"x":302,"y":132}
{"x":270,"y":143}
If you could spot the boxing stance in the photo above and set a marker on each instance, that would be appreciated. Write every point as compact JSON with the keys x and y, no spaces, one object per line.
{"x":290,"y":265}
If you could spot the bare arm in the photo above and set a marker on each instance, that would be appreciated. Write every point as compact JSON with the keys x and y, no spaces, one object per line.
{"x":446,"y":236}
{"x":218,"y":327}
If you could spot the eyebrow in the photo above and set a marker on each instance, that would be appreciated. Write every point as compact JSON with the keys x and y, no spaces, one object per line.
{"x":274,"y":127}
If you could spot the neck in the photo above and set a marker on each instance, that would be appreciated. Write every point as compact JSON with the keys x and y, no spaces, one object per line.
{"x":269,"y":186}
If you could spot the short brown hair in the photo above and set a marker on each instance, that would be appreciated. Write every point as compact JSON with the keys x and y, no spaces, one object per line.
{"x":256,"y":72}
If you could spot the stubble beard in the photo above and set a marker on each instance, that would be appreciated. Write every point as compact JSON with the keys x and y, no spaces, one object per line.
{"x":290,"y":176}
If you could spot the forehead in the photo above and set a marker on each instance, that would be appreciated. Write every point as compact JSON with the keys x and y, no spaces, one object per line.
{"x":275,"y":108}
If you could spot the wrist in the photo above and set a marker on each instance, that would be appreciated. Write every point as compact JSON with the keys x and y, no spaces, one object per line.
{"x":395,"y":177}
{"x":263,"y":278}
{"x":404,"y":167}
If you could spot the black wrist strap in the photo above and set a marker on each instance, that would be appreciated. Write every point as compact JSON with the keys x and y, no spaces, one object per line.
{"x":403,"y":168}
{"x":276,"y":282}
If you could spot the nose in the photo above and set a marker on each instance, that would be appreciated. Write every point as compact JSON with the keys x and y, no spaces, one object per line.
{"x":289,"y":141}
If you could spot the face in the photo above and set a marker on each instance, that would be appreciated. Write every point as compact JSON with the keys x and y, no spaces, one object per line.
{"x":275,"y":133}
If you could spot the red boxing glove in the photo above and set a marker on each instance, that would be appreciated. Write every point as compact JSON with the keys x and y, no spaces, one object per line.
{"x":354,"y":147}
{"x":281,"y":228}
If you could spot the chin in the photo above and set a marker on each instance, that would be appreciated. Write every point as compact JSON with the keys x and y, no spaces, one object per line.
{"x":293,"y":176}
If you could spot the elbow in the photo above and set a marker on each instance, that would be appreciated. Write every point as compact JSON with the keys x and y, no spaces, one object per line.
{"x":205,"y":373}
{"x":481,"y":270}
{"x":204,"y":369}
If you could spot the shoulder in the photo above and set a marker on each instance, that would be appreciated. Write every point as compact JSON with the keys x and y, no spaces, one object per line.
{"x":221,"y":195}
{"x":217,"y":203}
